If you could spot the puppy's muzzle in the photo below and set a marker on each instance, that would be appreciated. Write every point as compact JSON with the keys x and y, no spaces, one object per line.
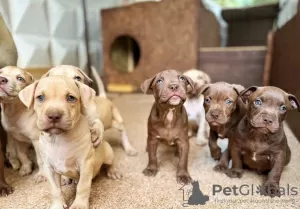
{"x":174,"y":87}
{"x":54,"y":117}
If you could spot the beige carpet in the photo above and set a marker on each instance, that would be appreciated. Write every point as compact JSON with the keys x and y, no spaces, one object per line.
{"x":138,"y":191}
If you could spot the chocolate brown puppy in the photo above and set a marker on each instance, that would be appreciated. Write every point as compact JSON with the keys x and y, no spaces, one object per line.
{"x":168,"y":121}
{"x":259,"y":142}
{"x":224,"y":109}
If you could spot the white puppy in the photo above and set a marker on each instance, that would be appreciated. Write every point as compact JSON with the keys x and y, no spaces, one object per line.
{"x":194,"y":106}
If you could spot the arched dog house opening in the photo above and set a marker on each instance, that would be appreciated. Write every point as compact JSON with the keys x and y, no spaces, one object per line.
{"x":145,"y":38}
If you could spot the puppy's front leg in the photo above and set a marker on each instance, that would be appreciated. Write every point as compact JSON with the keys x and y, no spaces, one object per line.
{"x":271,"y":187}
{"x":215,"y":150}
{"x":11,"y":152}
{"x":237,"y":165}
{"x":83,"y":189}
{"x":54,"y":182}
{"x":183,"y":151}
{"x":152,"y":168}
{"x":22,"y":151}
{"x":39,"y":176}
{"x":201,"y":138}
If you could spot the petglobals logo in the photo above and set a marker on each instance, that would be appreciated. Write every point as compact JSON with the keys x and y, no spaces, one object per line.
{"x":246,"y":190}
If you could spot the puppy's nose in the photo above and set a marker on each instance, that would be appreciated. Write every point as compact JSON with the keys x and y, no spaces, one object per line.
{"x":3,"y":80}
{"x":214,"y":115}
{"x":54,"y":117}
{"x":268,"y":121}
{"x":174,"y":87}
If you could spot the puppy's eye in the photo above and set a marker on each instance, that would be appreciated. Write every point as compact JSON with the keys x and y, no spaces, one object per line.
{"x":207,"y":100}
{"x":181,"y":78}
{"x":283,"y":108}
{"x":40,"y":98}
{"x":159,"y":81}
{"x":78,"y":78}
{"x":257,"y":102}
{"x":70,"y":98}
{"x":228,"y":101}
{"x":19,"y":78}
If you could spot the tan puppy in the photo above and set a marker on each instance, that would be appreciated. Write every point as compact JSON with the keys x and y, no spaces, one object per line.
{"x":65,"y":140}
{"x":194,"y":106}
{"x":16,"y":119}
{"x":109,"y":114}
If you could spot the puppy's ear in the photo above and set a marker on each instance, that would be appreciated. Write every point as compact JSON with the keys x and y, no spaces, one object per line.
{"x":26,"y":95}
{"x":294,"y":102}
{"x":87,"y":94}
{"x":87,"y":79}
{"x":46,"y":74}
{"x":245,"y":94}
{"x":206,"y":78}
{"x":204,"y":88}
{"x":146,"y":87}
{"x":238,"y":88}
{"x":190,"y":82}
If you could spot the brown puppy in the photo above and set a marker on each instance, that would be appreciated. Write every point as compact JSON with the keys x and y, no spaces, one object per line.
{"x":259,"y":141}
{"x":168,"y":120}
{"x":223,"y":109}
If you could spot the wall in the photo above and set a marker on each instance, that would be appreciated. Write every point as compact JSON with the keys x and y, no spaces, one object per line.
{"x":51,"y":32}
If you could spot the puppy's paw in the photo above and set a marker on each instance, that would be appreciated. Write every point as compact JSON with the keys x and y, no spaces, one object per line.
{"x":39,"y":177}
{"x":183,"y":178}
{"x":97,"y":133}
{"x":271,"y":189}
{"x":220,"y":168}
{"x":150,"y":171}
{"x":79,"y":205}
{"x":58,"y":205}
{"x":15,"y":164}
{"x":66,"y":181}
{"x":216,"y":153}
{"x":5,"y":189}
{"x":25,"y":170}
{"x":131,"y":151}
{"x":234,"y":173}
{"x":113,"y":173}
{"x":190,"y":133}
{"x":201,"y":141}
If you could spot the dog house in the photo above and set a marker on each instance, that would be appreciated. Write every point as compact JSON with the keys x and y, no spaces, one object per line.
{"x":145,"y":38}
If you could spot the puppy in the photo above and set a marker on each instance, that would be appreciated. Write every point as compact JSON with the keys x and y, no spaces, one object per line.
{"x":194,"y":106}
{"x":16,"y":119}
{"x":223,"y":110}
{"x":103,"y":109}
{"x":65,"y":140}
{"x":168,"y":121}
{"x":259,"y":142}
{"x":8,"y":56}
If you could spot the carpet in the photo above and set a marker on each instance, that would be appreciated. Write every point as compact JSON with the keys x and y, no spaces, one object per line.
{"x":162,"y":191}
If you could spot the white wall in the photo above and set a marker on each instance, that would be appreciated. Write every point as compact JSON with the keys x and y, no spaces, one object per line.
{"x":51,"y":32}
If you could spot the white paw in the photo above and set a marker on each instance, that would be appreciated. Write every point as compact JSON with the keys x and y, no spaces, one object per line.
{"x":131,"y":151}
{"x":25,"y":170}
{"x":113,"y":173}
{"x":79,"y":205}
{"x":39,"y":177}
{"x":201,"y":141}
{"x":58,"y":205}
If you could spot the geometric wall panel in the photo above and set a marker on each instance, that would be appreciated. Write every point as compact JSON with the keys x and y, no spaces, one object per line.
{"x":29,"y":17}
{"x":33,"y":51}
{"x":64,"y":52}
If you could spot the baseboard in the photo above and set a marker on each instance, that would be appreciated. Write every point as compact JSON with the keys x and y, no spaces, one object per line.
{"x":37,"y":72}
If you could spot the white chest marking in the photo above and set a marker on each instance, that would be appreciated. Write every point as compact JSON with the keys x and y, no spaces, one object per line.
{"x":170,"y":115}
{"x":254,"y":156}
